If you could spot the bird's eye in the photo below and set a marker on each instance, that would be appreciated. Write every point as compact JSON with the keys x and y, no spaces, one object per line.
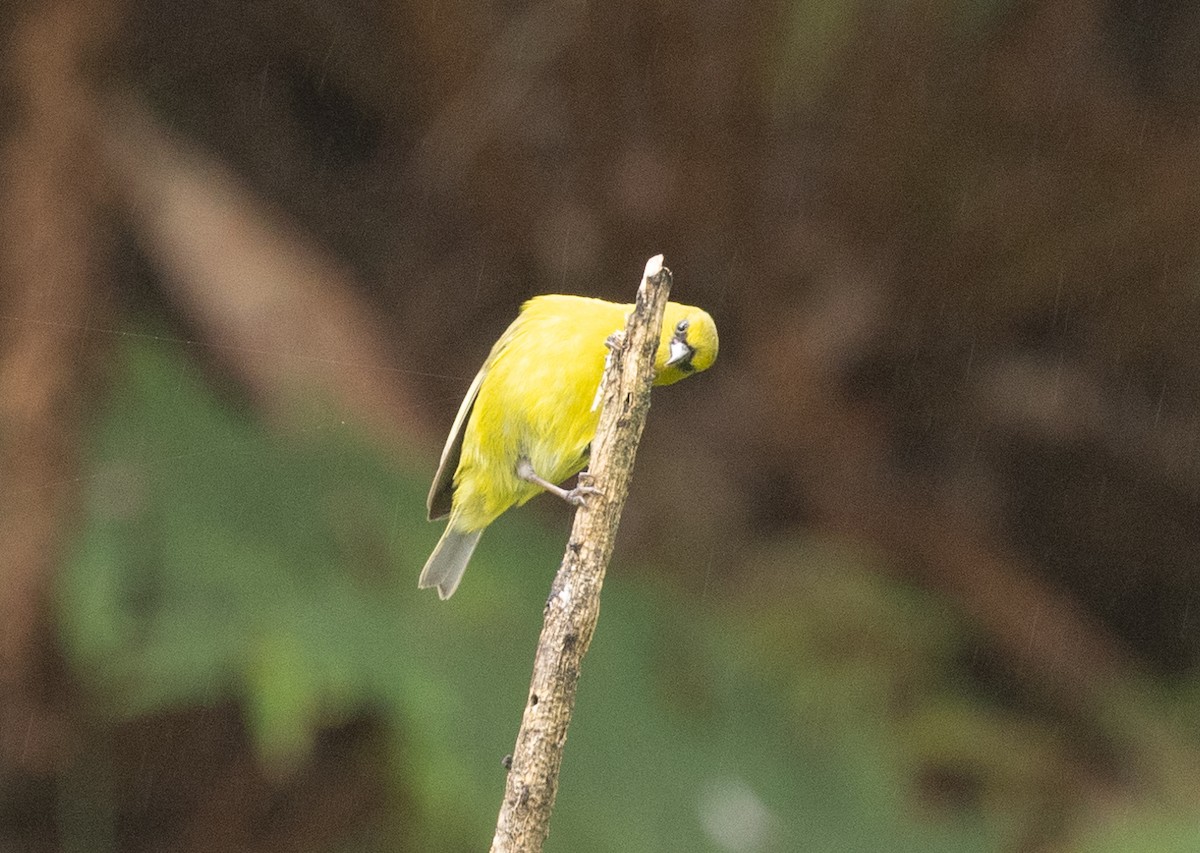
{"x":681,"y":327}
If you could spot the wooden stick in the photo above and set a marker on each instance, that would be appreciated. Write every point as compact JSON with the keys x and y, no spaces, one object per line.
{"x":574,"y":604}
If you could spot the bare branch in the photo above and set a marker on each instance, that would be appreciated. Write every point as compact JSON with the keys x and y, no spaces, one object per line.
{"x":574,"y":604}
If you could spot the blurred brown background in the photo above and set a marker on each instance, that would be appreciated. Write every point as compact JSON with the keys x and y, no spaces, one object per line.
{"x":951,"y":248}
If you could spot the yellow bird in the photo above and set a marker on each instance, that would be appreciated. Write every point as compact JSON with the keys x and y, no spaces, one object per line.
{"x":529,"y":417}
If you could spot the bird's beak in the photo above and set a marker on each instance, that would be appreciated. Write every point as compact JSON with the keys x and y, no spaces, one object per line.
{"x":679,"y":353}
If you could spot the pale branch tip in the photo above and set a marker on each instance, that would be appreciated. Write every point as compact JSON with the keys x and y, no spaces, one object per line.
{"x":654,"y":266}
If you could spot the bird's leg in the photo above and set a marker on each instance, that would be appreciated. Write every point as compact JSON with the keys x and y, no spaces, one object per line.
{"x":576,"y":496}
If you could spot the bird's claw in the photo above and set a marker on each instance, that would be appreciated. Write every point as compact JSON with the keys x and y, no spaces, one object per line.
{"x":582,"y":491}
{"x":579,"y":495}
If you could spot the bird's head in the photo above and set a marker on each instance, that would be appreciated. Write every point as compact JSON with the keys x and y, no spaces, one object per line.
{"x":688,"y":344}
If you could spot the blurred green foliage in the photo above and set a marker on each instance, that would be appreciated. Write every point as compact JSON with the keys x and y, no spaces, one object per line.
{"x":1147,"y":831}
{"x":222,"y":560}
{"x":815,"y":34}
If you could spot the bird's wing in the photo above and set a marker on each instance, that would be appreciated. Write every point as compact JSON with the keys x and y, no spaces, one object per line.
{"x":441,"y":493}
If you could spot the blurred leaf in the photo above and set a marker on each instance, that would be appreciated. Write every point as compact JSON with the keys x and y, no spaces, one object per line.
{"x":814,"y":34}
{"x":1145,"y":832}
{"x":817,"y":33}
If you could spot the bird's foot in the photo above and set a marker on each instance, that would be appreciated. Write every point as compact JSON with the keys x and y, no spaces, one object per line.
{"x":582,"y":491}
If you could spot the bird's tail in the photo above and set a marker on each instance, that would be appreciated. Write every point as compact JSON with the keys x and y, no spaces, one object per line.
{"x":445,"y":566}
